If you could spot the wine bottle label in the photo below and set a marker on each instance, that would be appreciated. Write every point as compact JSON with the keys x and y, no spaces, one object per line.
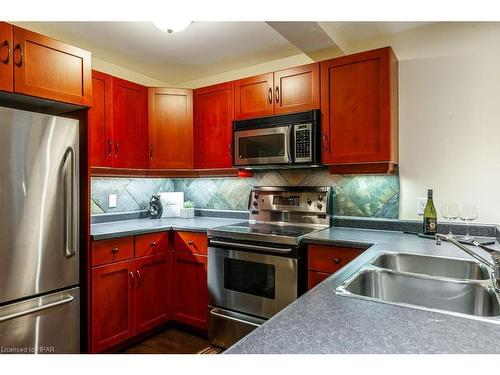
{"x":430,"y":225}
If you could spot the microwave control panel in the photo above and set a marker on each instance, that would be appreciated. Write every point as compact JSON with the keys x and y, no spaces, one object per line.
{"x":303,"y":143}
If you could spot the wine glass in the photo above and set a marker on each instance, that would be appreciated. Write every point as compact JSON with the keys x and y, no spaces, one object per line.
{"x":468,"y":212}
{"x":445,"y":213}
{"x":453,"y":212}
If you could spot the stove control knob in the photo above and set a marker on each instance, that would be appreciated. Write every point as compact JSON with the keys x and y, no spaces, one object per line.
{"x":320,"y":198}
{"x":309,"y":201}
{"x":256,"y":196}
{"x":320,"y":206}
{"x":255,"y":203}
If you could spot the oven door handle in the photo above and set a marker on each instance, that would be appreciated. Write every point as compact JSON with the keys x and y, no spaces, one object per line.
{"x":250,"y":247}
{"x":234,"y":319}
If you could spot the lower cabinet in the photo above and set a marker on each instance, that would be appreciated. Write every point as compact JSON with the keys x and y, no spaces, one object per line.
{"x":322,"y":261}
{"x":190,"y":289}
{"x":153,"y":285}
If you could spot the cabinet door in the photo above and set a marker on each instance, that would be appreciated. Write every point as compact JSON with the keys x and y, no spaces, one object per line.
{"x":6,"y":67}
{"x":100,"y":121}
{"x":130,"y":124}
{"x":151,"y":302}
{"x":190,"y":289}
{"x":50,"y":69}
{"x":297,"y":89}
{"x":112,"y":305}
{"x":253,"y":97}
{"x":359,"y":108}
{"x":170,"y":128}
{"x":213,"y":124}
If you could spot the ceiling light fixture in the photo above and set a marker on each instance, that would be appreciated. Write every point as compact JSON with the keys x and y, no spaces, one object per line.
{"x":172,"y":26}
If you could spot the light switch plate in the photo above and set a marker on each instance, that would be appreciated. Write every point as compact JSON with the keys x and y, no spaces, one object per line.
{"x":421,"y":202}
{"x":112,"y":200}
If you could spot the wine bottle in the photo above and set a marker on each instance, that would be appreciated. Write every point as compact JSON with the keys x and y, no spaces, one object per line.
{"x":430,"y":215}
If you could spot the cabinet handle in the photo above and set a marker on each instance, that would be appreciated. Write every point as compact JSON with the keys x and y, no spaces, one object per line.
{"x":325,"y":142}
{"x":18,"y":48}
{"x":117,"y":149}
{"x":131,"y":280}
{"x":138,"y":279}
{"x":231,"y":151}
{"x":190,"y":243}
{"x":110,"y":147}
{"x":336,"y":260}
{"x":153,"y":244}
{"x":270,"y":95}
{"x":114,"y":250}
{"x":277,"y":94}
{"x":7,"y":58}
{"x":151,"y":152}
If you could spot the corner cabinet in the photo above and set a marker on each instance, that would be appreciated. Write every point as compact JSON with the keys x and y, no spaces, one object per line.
{"x":285,"y":91}
{"x":170,"y":128}
{"x":359,"y":109}
{"x":213,"y":124}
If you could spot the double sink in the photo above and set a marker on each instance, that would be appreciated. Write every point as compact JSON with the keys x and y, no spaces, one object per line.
{"x":447,"y":285}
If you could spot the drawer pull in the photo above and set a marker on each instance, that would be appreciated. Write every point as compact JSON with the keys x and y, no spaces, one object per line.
{"x":153,"y":244}
{"x":336,"y":260}
{"x":114,"y":250}
{"x":190,"y":243}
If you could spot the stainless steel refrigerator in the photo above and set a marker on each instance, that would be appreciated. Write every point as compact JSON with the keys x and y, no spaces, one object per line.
{"x":39,"y":233}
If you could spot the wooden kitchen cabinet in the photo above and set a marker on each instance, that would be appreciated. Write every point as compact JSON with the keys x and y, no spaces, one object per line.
{"x":152,"y":291}
{"x":130,"y":124}
{"x":151,"y":244}
{"x":6,"y":64}
{"x":112,"y":304}
{"x":213,"y":125}
{"x":100,"y":120}
{"x":170,"y":128}
{"x":323,"y":260}
{"x":359,"y":109}
{"x":191,"y":242}
{"x":112,"y":250}
{"x":190,"y":289}
{"x":297,"y":89}
{"x":253,"y":97}
{"x":50,"y":69}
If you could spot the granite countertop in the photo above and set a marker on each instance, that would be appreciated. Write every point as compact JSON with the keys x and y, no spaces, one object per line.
{"x":115,"y":229}
{"x":322,"y":322}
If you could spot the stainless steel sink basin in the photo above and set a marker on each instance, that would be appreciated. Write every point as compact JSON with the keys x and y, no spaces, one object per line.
{"x":432,"y":266}
{"x":445,"y":295}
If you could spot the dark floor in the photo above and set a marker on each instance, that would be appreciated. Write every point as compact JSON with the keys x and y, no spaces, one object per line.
{"x":171,"y":341}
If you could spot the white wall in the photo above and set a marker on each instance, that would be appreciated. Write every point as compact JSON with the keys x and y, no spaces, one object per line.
{"x":449,"y":115}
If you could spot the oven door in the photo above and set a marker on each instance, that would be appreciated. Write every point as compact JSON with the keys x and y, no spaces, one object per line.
{"x":262,"y":146}
{"x":252,"y":283}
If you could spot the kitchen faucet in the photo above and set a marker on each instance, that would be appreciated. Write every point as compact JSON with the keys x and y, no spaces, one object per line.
{"x":495,"y":256}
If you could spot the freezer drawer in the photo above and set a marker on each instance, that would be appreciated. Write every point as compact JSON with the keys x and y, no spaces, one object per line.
{"x":48,"y":324}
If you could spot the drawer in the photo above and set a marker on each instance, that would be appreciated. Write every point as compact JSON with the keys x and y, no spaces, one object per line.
{"x":192,"y":242}
{"x":113,"y":250}
{"x":330,"y":259}
{"x":315,"y":277}
{"x":151,"y":243}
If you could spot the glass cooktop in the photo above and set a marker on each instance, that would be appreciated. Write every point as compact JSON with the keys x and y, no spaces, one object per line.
{"x":268,"y":229}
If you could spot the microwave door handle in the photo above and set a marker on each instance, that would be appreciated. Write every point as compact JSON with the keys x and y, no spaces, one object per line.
{"x":289,"y":143}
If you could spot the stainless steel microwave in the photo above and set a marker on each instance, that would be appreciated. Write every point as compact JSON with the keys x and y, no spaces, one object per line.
{"x":291,"y":140}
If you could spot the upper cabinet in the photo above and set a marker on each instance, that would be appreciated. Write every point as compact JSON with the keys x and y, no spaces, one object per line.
{"x":359,"y":109}
{"x":47,"y":68}
{"x":100,"y":121}
{"x":6,"y":65}
{"x":290,"y":90}
{"x":213,"y":121}
{"x":170,"y":128}
{"x":130,"y":124}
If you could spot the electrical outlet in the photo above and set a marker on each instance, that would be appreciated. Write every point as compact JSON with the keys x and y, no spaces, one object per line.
{"x":112,"y":200}
{"x":421,"y":202}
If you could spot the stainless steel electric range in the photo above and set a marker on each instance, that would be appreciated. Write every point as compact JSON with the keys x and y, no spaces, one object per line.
{"x":257,"y":268}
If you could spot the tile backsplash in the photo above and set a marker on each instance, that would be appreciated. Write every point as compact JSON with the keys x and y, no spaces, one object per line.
{"x":367,"y":196}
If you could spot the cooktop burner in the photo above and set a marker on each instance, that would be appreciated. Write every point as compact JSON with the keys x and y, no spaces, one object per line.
{"x":267,"y":229}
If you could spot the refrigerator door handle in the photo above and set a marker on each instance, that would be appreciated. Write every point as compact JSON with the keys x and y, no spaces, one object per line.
{"x":36,"y":309}
{"x":69,"y":209}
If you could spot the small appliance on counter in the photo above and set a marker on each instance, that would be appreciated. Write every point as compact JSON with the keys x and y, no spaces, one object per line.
{"x":257,"y":268}
{"x":172,"y":203}
{"x":155,"y":208}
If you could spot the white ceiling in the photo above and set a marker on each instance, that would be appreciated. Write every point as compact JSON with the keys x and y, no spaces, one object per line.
{"x":207,"y":48}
